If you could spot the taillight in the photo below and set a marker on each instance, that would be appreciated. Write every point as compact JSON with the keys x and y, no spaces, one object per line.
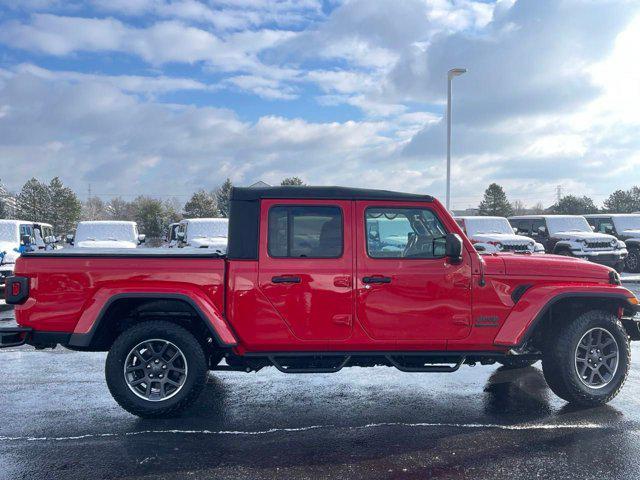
{"x":17,"y":290}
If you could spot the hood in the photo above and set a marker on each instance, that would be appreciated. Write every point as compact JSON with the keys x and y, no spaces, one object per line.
{"x":10,"y":249}
{"x":105,"y":244}
{"x":631,"y":233}
{"x":553,"y":266}
{"x":217,"y":243}
{"x":506,"y":238}
{"x":594,"y":236}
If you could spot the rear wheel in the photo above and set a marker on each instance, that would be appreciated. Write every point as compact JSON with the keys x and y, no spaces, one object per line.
{"x":632,"y":262}
{"x":587,"y":360}
{"x":155,"y":369}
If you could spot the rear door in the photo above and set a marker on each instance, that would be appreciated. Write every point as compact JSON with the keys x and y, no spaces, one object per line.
{"x":406,"y":290}
{"x":306,"y":266}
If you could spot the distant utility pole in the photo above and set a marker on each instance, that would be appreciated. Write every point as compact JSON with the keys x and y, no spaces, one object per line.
{"x":559,"y":193}
{"x":89,"y":192}
{"x":454,"y":72}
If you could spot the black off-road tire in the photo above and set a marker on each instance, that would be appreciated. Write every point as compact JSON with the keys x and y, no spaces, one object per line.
{"x":632,"y":262}
{"x":558,"y":361}
{"x":516,"y":361}
{"x":196,"y":371}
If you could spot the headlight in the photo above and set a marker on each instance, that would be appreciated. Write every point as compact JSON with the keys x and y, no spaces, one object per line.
{"x":614,"y":242}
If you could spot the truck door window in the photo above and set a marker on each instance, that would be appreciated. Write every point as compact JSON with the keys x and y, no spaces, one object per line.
{"x":404,"y":233}
{"x":305,"y":232}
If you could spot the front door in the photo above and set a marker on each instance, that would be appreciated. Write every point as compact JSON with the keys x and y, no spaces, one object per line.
{"x":406,"y":289}
{"x":306,"y":266}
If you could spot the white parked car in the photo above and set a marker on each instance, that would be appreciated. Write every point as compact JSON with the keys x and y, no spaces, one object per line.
{"x":106,"y":234}
{"x":495,"y":234}
{"x":204,"y":233}
{"x":16,"y":237}
{"x":44,"y":237}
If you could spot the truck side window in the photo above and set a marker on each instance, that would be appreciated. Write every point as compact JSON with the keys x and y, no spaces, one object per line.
{"x":403,"y":233}
{"x":305,"y":232}
{"x":539,"y":227}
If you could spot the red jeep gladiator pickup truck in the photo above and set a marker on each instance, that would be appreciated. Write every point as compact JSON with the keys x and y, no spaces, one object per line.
{"x":319,"y":278}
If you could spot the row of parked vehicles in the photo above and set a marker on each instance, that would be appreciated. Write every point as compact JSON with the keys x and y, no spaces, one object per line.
{"x":608,"y":239}
{"x":20,"y":236}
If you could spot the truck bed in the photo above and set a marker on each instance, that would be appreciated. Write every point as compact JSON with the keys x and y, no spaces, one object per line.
{"x":71,"y":288}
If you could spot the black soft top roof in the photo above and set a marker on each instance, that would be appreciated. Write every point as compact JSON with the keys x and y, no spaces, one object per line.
{"x":337,"y":193}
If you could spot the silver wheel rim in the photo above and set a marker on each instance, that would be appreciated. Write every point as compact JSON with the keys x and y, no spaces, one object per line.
{"x":155,"y":370}
{"x":596,"y":358}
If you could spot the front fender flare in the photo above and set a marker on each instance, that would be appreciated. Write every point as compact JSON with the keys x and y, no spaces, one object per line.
{"x":533,"y":305}
{"x":93,"y":315}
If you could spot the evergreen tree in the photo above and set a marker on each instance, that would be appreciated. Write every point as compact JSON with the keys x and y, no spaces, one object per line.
{"x":495,"y":202}
{"x":223,"y":198}
{"x":34,"y":201}
{"x":622,"y":201}
{"x":572,"y":205}
{"x":150,"y":216}
{"x":3,"y":209}
{"x":292,"y":181}
{"x":201,"y":205}
{"x":65,"y":207}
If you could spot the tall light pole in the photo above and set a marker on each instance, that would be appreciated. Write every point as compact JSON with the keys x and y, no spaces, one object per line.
{"x":454,"y":72}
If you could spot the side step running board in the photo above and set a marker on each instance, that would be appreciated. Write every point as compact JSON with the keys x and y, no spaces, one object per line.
{"x":426,"y":368}
{"x":285,"y":369}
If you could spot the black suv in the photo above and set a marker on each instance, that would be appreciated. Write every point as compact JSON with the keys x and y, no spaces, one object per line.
{"x":572,"y":236}
{"x":625,"y":227}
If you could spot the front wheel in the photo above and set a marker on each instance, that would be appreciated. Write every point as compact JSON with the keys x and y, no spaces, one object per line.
{"x":632,"y":262}
{"x":155,"y":369}
{"x":587,"y":360}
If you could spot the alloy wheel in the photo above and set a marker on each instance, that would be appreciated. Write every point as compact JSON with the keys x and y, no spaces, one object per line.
{"x":155,"y":370}
{"x":596,"y":358}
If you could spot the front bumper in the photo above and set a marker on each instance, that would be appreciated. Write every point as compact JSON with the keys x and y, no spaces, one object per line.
{"x":608,"y":258}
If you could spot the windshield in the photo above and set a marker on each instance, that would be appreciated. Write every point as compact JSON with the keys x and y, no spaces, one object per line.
{"x":9,"y":232}
{"x":93,"y":231}
{"x":568,"y":224}
{"x":475,"y":226}
{"x":216,"y":227}
{"x":630,"y":222}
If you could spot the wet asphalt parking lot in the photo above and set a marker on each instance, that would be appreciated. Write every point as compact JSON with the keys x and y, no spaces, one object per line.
{"x":58,"y":421}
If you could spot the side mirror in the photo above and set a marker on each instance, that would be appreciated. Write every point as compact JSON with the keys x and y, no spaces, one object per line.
{"x":593,"y":228}
{"x":69,"y":239}
{"x":453,"y":247}
{"x":542,"y":230}
{"x":180,"y":236}
{"x":142,"y":238}
{"x":25,"y":240}
{"x":515,"y":229}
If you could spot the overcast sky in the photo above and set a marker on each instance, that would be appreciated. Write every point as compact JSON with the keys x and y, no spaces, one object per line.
{"x":164,"y":97}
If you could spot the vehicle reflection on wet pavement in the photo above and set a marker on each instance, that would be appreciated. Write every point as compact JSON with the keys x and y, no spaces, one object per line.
{"x":57,"y":420}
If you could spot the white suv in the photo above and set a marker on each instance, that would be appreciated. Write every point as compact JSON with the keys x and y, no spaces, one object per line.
{"x":494,"y":234}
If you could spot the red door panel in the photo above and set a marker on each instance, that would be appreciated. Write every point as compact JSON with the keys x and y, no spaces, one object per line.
{"x":313,"y":296}
{"x":407,"y":298}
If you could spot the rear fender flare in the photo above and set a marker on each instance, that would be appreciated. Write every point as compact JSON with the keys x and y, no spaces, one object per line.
{"x":537,"y":301}
{"x":97,"y":308}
